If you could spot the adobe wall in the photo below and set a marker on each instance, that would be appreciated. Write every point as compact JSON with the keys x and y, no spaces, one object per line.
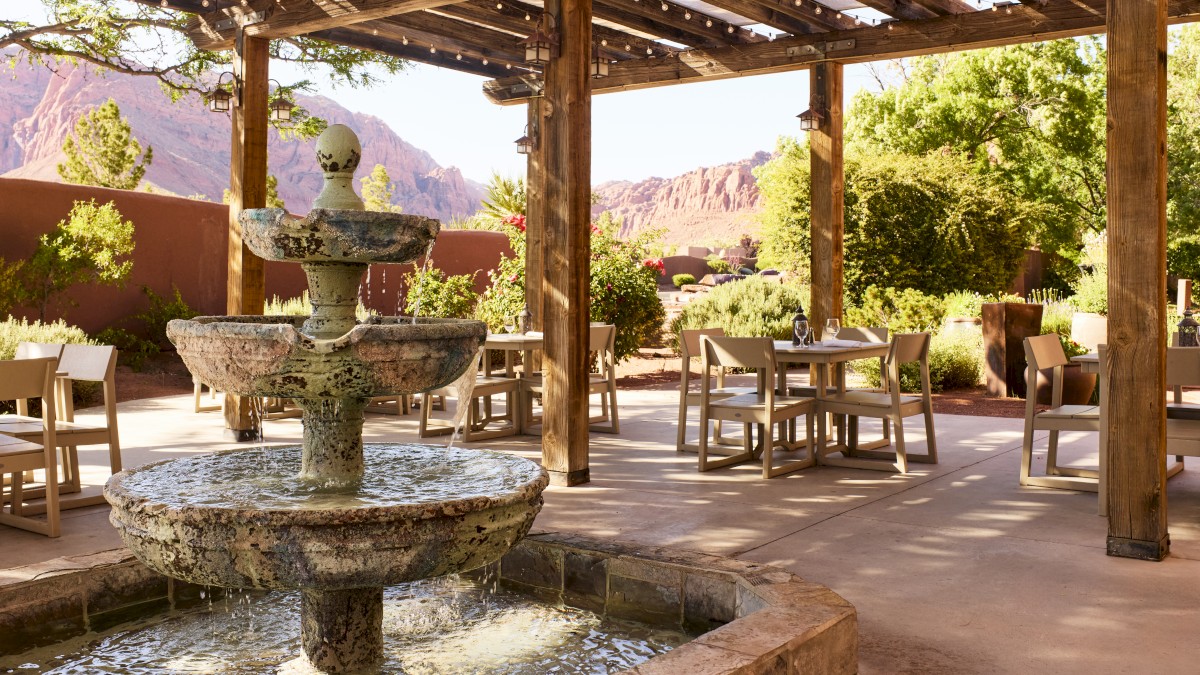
{"x":183,"y":242}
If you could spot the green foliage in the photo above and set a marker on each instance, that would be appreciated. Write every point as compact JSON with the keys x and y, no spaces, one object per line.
{"x":1183,"y":152}
{"x":964,"y":304}
{"x":1031,"y":117}
{"x":1183,"y":257}
{"x":752,"y":307}
{"x":103,"y":151}
{"x":505,"y":197}
{"x":955,"y":362}
{"x":302,"y":306}
{"x":906,"y":311}
{"x":623,"y":285}
{"x":929,"y":223}
{"x":719,"y":265}
{"x":377,"y":191}
{"x":163,"y":310}
{"x":1057,"y":317}
{"x":783,"y":183}
{"x":132,"y":350}
{"x":13,"y":331}
{"x":146,"y":40}
{"x":1070,"y":347}
{"x":681,"y":280}
{"x":92,"y":246}
{"x":11,"y":289}
{"x":441,"y":296}
{"x":1091,"y":292}
{"x":273,"y":199}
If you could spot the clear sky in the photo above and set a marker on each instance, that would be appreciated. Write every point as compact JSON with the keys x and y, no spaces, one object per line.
{"x":636,"y":134}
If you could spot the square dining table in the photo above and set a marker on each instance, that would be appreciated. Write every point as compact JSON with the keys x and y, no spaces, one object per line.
{"x":821,"y":356}
{"x":511,"y":344}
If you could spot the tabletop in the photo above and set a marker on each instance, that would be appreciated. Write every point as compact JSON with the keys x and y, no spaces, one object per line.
{"x":513,"y":341}
{"x":1091,"y":362}
{"x":826,"y":353}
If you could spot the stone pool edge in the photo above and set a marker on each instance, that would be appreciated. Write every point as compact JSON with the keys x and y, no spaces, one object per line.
{"x":753,"y":618}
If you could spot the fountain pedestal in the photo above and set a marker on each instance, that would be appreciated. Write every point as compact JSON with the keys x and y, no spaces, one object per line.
{"x":342,"y":631}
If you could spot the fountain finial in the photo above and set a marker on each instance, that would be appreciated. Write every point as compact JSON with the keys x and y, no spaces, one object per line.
{"x":338,"y":153}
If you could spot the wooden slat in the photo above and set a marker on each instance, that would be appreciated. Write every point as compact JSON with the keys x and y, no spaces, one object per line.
{"x":900,"y":9}
{"x":944,"y":7}
{"x":511,"y":17}
{"x":943,"y":34}
{"x":1137,"y":263}
{"x":826,"y":213}
{"x":246,"y":281}
{"x":287,"y":18}
{"x":648,"y":17}
{"x":359,"y":37}
{"x":826,"y":19}
{"x":566,"y":133}
{"x":769,"y":13}
{"x":450,"y":35}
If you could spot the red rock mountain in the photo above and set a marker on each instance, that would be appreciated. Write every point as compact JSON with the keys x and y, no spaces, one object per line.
{"x":705,"y":206}
{"x":191,"y":145}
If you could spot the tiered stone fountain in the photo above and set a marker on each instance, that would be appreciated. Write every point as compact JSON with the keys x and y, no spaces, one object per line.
{"x":334,"y":519}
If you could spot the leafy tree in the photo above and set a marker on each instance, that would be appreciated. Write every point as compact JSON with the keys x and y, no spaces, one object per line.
{"x":104,"y":152}
{"x":783,"y":183}
{"x":92,"y":245}
{"x":1032,"y":114}
{"x":144,"y":39}
{"x":377,"y":191}
{"x":441,"y":296}
{"x":11,"y":291}
{"x":505,"y":197}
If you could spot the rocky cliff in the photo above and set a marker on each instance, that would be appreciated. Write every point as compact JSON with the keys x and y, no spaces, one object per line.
{"x":708,"y":205}
{"x":192,"y":145}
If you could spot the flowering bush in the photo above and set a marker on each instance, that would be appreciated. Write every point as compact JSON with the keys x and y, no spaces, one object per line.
{"x":623,"y":291}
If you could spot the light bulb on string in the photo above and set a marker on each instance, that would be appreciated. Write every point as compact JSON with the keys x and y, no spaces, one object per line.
{"x":604,"y":43}
{"x":485,"y":61}
{"x":687,"y":16}
{"x":508,"y":66}
{"x":1008,"y":9}
{"x":665,"y":7}
{"x":708,"y":23}
{"x":204,"y":3}
{"x":730,"y":29}
{"x":818,"y":9}
{"x":163,"y":3}
{"x":628,"y":48}
{"x":432,"y":49}
{"x":890,"y":26}
{"x":649,"y":51}
{"x":404,"y":40}
{"x":527,"y":17}
{"x":499,"y":5}
{"x":797,"y":2}
{"x":458,"y":57}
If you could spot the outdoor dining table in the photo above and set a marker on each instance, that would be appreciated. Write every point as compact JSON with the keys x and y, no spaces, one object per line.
{"x":511,"y":344}
{"x":821,"y":356}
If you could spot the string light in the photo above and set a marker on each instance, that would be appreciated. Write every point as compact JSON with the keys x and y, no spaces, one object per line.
{"x":818,"y":9}
{"x":499,"y":5}
{"x":527,"y":17}
{"x":458,"y":57}
{"x":432,"y":49}
{"x":374,"y":31}
{"x":687,"y":16}
{"x":995,"y":8}
{"x":890,"y":26}
{"x":1008,"y":9}
{"x":838,"y":15}
{"x":628,"y":48}
{"x":797,"y":2}
{"x":163,"y":3}
{"x":404,"y":40}
{"x":730,"y":29}
{"x":649,"y":51}
{"x":485,"y":61}
{"x":508,"y":66}
{"x":604,"y":43}
{"x":708,"y":23}
{"x":665,"y":7}
{"x":204,"y":3}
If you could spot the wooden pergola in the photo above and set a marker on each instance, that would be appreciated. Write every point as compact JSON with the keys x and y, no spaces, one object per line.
{"x":651,"y":43}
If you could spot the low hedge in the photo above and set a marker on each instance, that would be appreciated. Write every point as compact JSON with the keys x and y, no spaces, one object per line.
{"x":955,"y":362}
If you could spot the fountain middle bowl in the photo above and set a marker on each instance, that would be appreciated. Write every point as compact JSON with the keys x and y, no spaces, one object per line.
{"x":269,"y":356}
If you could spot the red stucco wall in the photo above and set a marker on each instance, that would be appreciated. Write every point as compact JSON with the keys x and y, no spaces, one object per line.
{"x":183,"y":242}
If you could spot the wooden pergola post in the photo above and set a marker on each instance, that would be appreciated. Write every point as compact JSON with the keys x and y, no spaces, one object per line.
{"x":826,"y":213}
{"x":565,"y":142}
{"x":535,"y":188}
{"x":1137,"y":261}
{"x":245,"y":285}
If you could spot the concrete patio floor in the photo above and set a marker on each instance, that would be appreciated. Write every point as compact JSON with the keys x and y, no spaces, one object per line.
{"x":953,"y":568}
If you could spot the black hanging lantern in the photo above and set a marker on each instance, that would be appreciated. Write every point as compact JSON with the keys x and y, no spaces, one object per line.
{"x":810,"y":120}
{"x":526,"y":143}
{"x":220,"y":100}
{"x":281,"y":110}
{"x":1188,"y":328}
{"x":599,"y":64}
{"x":542,"y":45}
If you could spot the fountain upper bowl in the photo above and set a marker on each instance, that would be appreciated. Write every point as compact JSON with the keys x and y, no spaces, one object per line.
{"x":337,"y":235}
{"x":269,"y":356}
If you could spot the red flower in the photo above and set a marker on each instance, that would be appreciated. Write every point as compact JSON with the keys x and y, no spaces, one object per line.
{"x":517,"y":220}
{"x":596,"y":230}
{"x":513,"y":278}
{"x":655,"y":263}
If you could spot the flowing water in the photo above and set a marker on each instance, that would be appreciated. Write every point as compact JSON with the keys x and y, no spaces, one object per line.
{"x":268,"y":479}
{"x":450,"y":625}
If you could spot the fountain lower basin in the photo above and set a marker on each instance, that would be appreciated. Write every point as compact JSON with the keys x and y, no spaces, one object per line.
{"x":245,"y":519}
{"x":269,"y":356}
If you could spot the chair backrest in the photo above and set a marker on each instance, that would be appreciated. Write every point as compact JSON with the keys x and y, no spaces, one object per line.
{"x":90,"y":363}
{"x":1045,"y":351}
{"x":739,"y":352}
{"x":874,"y":334}
{"x":601,"y":337}
{"x":689,"y":341}
{"x":908,"y":347}
{"x":1183,"y":366}
{"x":29,"y":378}
{"x":38,"y":350}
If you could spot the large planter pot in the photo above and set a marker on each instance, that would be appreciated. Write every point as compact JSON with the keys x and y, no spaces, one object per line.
{"x":1005,"y":327}
{"x":1077,"y":385}
{"x":1089,"y":330}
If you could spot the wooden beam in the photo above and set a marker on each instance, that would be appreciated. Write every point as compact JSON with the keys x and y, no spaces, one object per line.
{"x":900,"y":9}
{"x":771,"y":14}
{"x":648,"y":17}
{"x":826,"y":212}
{"x":826,"y":19}
{"x":535,"y":189}
{"x":944,"y":7}
{"x":215,"y":30}
{"x":566,"y":205}
{"x":246,"y":280}
{"x":911,"y":38}
{"x":1137,"y":263}
{"x":450,"y":35}
{"x":354,"y":36}
{"x":511,"y":18}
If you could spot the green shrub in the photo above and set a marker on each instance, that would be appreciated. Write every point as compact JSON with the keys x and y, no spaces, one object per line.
{"x":681,"y":280}
{"x":747,"y":308}
{"x":955,"y":362}
{"x":132,"y":350}
{"x":964,"y":304}
{"x":720,"y":265}
{"x":161,"y":312}
{"x":1091,"y":292}
{"x":441,"y":296}
{"x":302,"y":306}
{"x":1183,"y":257}
{"x":13,"y":331}
{"x":906,"y":311}
{"x":1056,"y":317}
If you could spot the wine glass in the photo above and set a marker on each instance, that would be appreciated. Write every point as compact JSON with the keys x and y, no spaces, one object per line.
{"x":832,"y":326}
{"x":801,"y":330}
{"x":510,"y":324}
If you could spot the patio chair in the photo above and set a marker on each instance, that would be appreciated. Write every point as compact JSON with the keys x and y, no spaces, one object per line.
{"x":21,"y":380}
{"x":390,"y":405}
{"x":1183,"y":419}
{"x":478,"y":421}
{"x":1042,"y":352}
{"x":198,"y":404}
{"x":601,"y":341}
{"x":87,"y":363}
{"x":889,"y":405}
{"x":763,"y":409}
{"x":872,"y":334}
{"x":689,"y":348}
